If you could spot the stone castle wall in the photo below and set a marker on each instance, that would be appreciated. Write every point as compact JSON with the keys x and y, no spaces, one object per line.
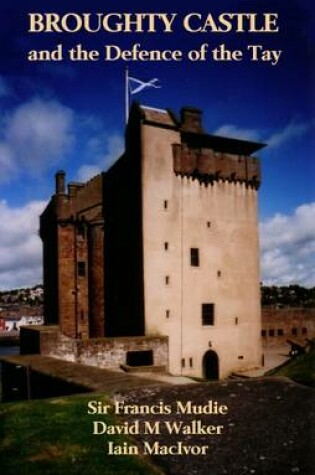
{"x":282,"y":324}
{"x":205,"y":163}
{"x":100,"y":352}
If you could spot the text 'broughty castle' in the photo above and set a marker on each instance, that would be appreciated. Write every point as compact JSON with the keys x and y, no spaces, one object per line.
{"x":157,"y":259}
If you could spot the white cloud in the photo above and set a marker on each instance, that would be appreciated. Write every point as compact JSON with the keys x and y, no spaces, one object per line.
{"x":230,"y":130}
{"x":8,"y":167}
{"x":86,"y":172}
{"x":288,"y":247}
{"x":105,"y":150}
{"x":36,"y":135}
{"x":291,"y":131}
{"x":20,"y":245}
{"x":115,"y":147}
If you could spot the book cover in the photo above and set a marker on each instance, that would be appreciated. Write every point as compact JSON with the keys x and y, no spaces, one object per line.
{"x":156,"y":173}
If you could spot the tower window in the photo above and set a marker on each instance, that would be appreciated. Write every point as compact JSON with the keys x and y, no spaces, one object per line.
{"x":167,"y":279}
{"x":194,"y":257}
{"x":271,"y":333}
{"x":190,"y":362}
{"x":81,"y":269}
{"x":183,"y":362}
{"x":166,"y":246}
{"x":81,"y":230}
{"x":207,"y":313}
{"x":165,"y":204}
{"x":209,"y":224}
{"x":167,"y":314}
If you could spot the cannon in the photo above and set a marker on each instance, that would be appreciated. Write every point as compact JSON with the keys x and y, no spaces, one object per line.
{"x":296,"y":348}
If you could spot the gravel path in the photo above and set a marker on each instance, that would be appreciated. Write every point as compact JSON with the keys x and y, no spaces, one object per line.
{"x":267,"y":429}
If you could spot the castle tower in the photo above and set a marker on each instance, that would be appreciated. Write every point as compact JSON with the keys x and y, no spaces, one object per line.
{"x":164,"y":243}
{"x":200,"y":243}
{"x":72,"y":231}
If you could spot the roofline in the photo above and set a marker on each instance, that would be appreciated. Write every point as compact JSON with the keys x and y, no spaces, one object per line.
{"x":224,"y":144}
{"x":216,"y":142}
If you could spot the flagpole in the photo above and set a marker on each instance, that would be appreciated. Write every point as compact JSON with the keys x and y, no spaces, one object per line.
{"x":126,"y":94}
{"x":134,"y":89}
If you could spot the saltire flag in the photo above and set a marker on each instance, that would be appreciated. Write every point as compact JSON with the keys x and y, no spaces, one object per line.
{"x":135,"y":85}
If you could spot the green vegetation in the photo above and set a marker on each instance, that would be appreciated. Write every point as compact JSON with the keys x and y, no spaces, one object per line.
{"x":54,"y":437}
{"x":301,"y":369}
{"x":287,"y":296}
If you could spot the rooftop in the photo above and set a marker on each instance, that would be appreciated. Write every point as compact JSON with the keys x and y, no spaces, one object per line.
{"x":192,"y":131}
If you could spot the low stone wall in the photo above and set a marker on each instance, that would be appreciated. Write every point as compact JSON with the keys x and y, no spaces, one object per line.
{"x":99,"y":352}
{"x":111,"y":352}
{"x":59,"y":346}
{"x":21,"y":382}
{"x":11,"y":338}
{"x":42,"y":339}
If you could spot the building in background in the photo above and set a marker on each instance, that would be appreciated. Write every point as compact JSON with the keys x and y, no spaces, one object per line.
{"x":163,"y":244}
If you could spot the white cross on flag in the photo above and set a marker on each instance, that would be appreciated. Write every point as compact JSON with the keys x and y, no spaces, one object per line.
{"x":135,"y":85}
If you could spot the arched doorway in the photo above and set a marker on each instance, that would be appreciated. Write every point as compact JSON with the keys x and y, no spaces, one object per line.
{"x":210,"y":365}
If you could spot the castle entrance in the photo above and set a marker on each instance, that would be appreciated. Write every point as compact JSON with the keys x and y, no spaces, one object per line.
{"x":210,"y":364}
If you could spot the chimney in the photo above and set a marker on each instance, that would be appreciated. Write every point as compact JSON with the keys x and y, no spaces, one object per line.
{"x":191,"y":120}
{"x":60,"y":182}
{"x":73,"y":188}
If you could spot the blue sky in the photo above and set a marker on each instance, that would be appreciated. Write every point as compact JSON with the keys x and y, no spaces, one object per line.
{"x":70,"y":115}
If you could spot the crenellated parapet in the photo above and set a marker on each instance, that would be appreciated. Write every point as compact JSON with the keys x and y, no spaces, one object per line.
{"x":75,"y":202}
{"x":208,"y":165}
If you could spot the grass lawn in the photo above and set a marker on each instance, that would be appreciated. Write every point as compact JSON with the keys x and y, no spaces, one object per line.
{"x":54,"y":437}
{"x":301,"y":369}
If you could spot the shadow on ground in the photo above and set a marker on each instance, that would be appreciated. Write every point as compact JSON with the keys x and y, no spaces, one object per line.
{"x":267,"y":430}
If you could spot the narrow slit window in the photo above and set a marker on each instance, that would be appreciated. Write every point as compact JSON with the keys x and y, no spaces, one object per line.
{"x":81,"y":230}
{"x":167,"y":313}
{"x":165,"y":204}
{"x":81,"y":269}
{"x":167,"y":279}
{"x":166,"y":246}
{"x":194,"y":257}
